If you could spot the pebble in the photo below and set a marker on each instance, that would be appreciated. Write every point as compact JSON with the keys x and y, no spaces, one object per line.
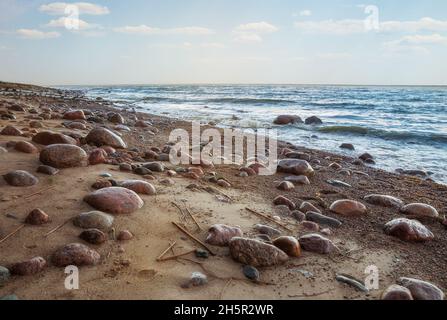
{"x":93,"y":236}
{"x":20,"y":178}
{"x":104,"y":137}
{"x":263,"y":237}
{"x":298,"y":215}
{"x":338,"y":183}
{"x":97,"y":156}
{"x":251,"y":273}
{"x":200,"y":253}
{"x":298,"y":179}
{"x":167,"y":182}
{"x":29,"y":267}
{"x":384,"y":200}
{"x":48,"y":138}
{"x":335,"y":166}
{"x":115,"y":118}
{"x":75,"y":254}
{"x":316,"y":243}
{"x":197,"y":279}
{"x":396,"y":292}
{"x":139,"y":186}
{"x":307,"y":206}
{"x":286,"y":186}
{"x":74,"y":115}
{"x":116,"y":200}
{"x":420,"y":210}
{"x":408,"y":230}
{"x":256,"y":253}
{"x":11,"y":131}
{"x":154,"y":166}
{"x":101,"y":184}
{"x":322,"y":219}
{"x":4,"y":275}
{"x":63,"y":156}
{"x":270,"y":231}
{"x":296,"y":166}
{"x":281,"y":200}
{"x":94,"y":220}
{"x":348,"y":207}
{"x":37,"y":217}
{"x":282,"y":210}
{"x":310,"y":225}
{"x":298,"y":155}
{"x":48,"y":170}
{"x":289,"y":245}
{"x":220,"y":234}
{"x":125,"y":167}
{"x":222,"y":183}
{"x":124,"y":235}
{"x":25,"y":147}
{"x":422,"y":290}
{"x":142,"y":171}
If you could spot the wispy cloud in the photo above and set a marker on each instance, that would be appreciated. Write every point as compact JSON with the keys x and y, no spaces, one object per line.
{"x":252,"y":32}
{"x":146,"y":30}
{"x":63,"y":22}
{"x":59,"y":8}
{"x":36,"y":34}
{"x":414,"y":43}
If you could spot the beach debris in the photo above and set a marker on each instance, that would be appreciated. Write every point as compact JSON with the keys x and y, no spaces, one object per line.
{"x":139,"y":186}
{"x":289,"y":245}
{"x":269,"y":219}
{"x":353,"y":282}
{"x":25,"y":147}
{"x":256,"y":253}
{"x":281,"y":200}
{"x":220,"y":234}
{"x":348,"y":146}
{"x":193,"y":218}
{"x":307,"y":206}
{"x":194,"y":238}
{"x":20,"y":178}
{"x":270,"y":231}
{"x":338,"y":183}
{"x":348,"y":207}
{"x":408,"y":230}
{"x":419,"y":210}
{"x":104,"y":137}
{"x":48,"y":170}
{"x":310,"y":225}
{"x":251,"y":273}
{"x":63,"y":156}
{"x":124,"y":235}
{"x":75,"y":254}
{"x":296,"y":166}
{"x":4,"y":275}
{"x":322,"y":219}
{"x":316,"y":243}
{"x":37,"y":217}
{"x":171,"y":245}
{"x":197,"y":279}
{"x":93,"y":236}
{"x":421,"y":290}
{"x":298,"y":179}
{"x":29,"y":267}
{"x":287,"y":119}
{"x":384,"y":200}
{"x":396,"y":292}
{"x":48,"y":138}
{"x":116,"y":200}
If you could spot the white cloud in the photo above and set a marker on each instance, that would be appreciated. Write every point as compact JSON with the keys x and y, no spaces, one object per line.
{"x":146,"y":30}
{"x":251,"y":32}
{"x":421,"y":39}
{"x":66,"y":22}
{"x":36,"y":34}
{"x":353,"y":26}
{"x":305,"y":13}
{"x":58,"y":8}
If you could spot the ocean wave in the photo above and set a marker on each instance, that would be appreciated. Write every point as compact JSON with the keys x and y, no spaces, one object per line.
{"x":248,"y":100}
{"x":421,"y":137}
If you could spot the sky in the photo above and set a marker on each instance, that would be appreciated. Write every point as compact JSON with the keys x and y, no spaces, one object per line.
{"x":116,"y":42}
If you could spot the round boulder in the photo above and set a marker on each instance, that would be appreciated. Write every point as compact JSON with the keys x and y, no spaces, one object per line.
{"x":63,"y":156}
{"x":104,"y":137}
{"x":20,"y":178}
{"x":114,"y":200}
{"x":75,"y":254}
{"x":348,"y":207}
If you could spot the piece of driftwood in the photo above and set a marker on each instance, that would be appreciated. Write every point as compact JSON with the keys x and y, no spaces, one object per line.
{"x":192,"y":217}
{"x":180,"y":209}
{"x":9,"y":235}
{"x":56,"y":228}
{"x":194,"y":238}
{"x":175,"y":256}
{"x":308,"y":294}
{"x":269,"y":219}
{"x":164,"y":252}
{"x":38,"y":192}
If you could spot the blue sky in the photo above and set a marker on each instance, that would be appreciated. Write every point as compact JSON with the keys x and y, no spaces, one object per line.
{"x":224,"y":41}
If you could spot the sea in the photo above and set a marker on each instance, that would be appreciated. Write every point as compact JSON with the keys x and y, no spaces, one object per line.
{"x":402,"y":127}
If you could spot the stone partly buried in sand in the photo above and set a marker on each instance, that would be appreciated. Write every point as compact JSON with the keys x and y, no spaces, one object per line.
{"x":408,"y":230}
{"x":25,"y":147}
{"x":46,"y":138}
{"x":63,"y":156}
{"x":104,"y":137}
{"x":296,"y":166}
{"x":220,"y":234}
{"x":48,"y":170}
{"x":93,"y":236}
{"x":97,"y":156}
{"x":289,"y":245}
{"x":94,"y":220}
{"x":20,"y":178}
{"x":384,"y":200}
{"x":11,"y":131}
{"x":37,"y":217}
{"x":256,"y":253}
{"x":316,"y":243}
{"x":396,"y":292}
{"x":74,"y":115}
{"x":139,"y":186}
{"x":322,"y":219}
{"x":420,"y":210}
{"x":348,"y":207}
{"x":281,"y":200}
{"x":421,"y":290}
{"x":75,"y":254}
{"x":116,"y":200}
{"x":29,"y":267}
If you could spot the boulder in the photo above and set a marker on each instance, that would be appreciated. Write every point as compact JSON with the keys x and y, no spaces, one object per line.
{"x":139,"y":186}
{"x":25,"y":147}
{"x":93,"y":236}
{"x":74,"y":115}
{"x":384,"y":200}
{"x":116,"y":200}
{"x":281,"y":200}
{"x":256,"y":253}
{"x":94,"y":220}
{"x":285,"y":186}
{"x":296,"y":166}
{"x":289,"y":245}
{"x":104,"y":137}
{"x":51,"y":171}
{"x":298,"y":179}
{"x":313,"y":120}
{"x":97,"y":156}
{"x":287,"y":119}
{"x":316,"y":243}
{"x":348,"y":146}
{"x":75,"y":254}
{"x":47,"y":138}
{"x":11,"y":131}
{"x":29,"y":267}
{"x":420,"y":210}
{"x":408,"y":230}
{"x":422,"y":290}
{"x":37,"y":217}
{"x":322,"y":219}
{"x":396,"y":292}
{"x":307,"y":206}
{"x":348,"y":207}
{"x":220,"y":234}
{"x":125,"y":235}
{"x":270,"y":231}
{"x":20,"y":178}
{"x":63,"y":156}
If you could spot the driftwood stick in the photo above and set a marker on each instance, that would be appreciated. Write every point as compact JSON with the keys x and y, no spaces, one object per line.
{"x":223,"y":289}
{"x":269,"y":219}
{"x":56,"y":228}
{"x":308,"y":294}
{"x":194,"y":238}
{"x":177,"y":255}
{"x":37,"y":192}
{"x":192,"y":217}
{"x":180,"y":209}
{"x":9,"y":235}
{"x":164,"y":252}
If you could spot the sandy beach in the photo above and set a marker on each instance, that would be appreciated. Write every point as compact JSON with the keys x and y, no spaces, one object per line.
{"x":193,"y":197}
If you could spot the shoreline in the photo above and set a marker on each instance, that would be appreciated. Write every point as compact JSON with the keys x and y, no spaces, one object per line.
{"x":362,"y":236}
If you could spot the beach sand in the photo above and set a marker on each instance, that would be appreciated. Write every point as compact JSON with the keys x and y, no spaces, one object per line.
{"x":129,"y":270}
